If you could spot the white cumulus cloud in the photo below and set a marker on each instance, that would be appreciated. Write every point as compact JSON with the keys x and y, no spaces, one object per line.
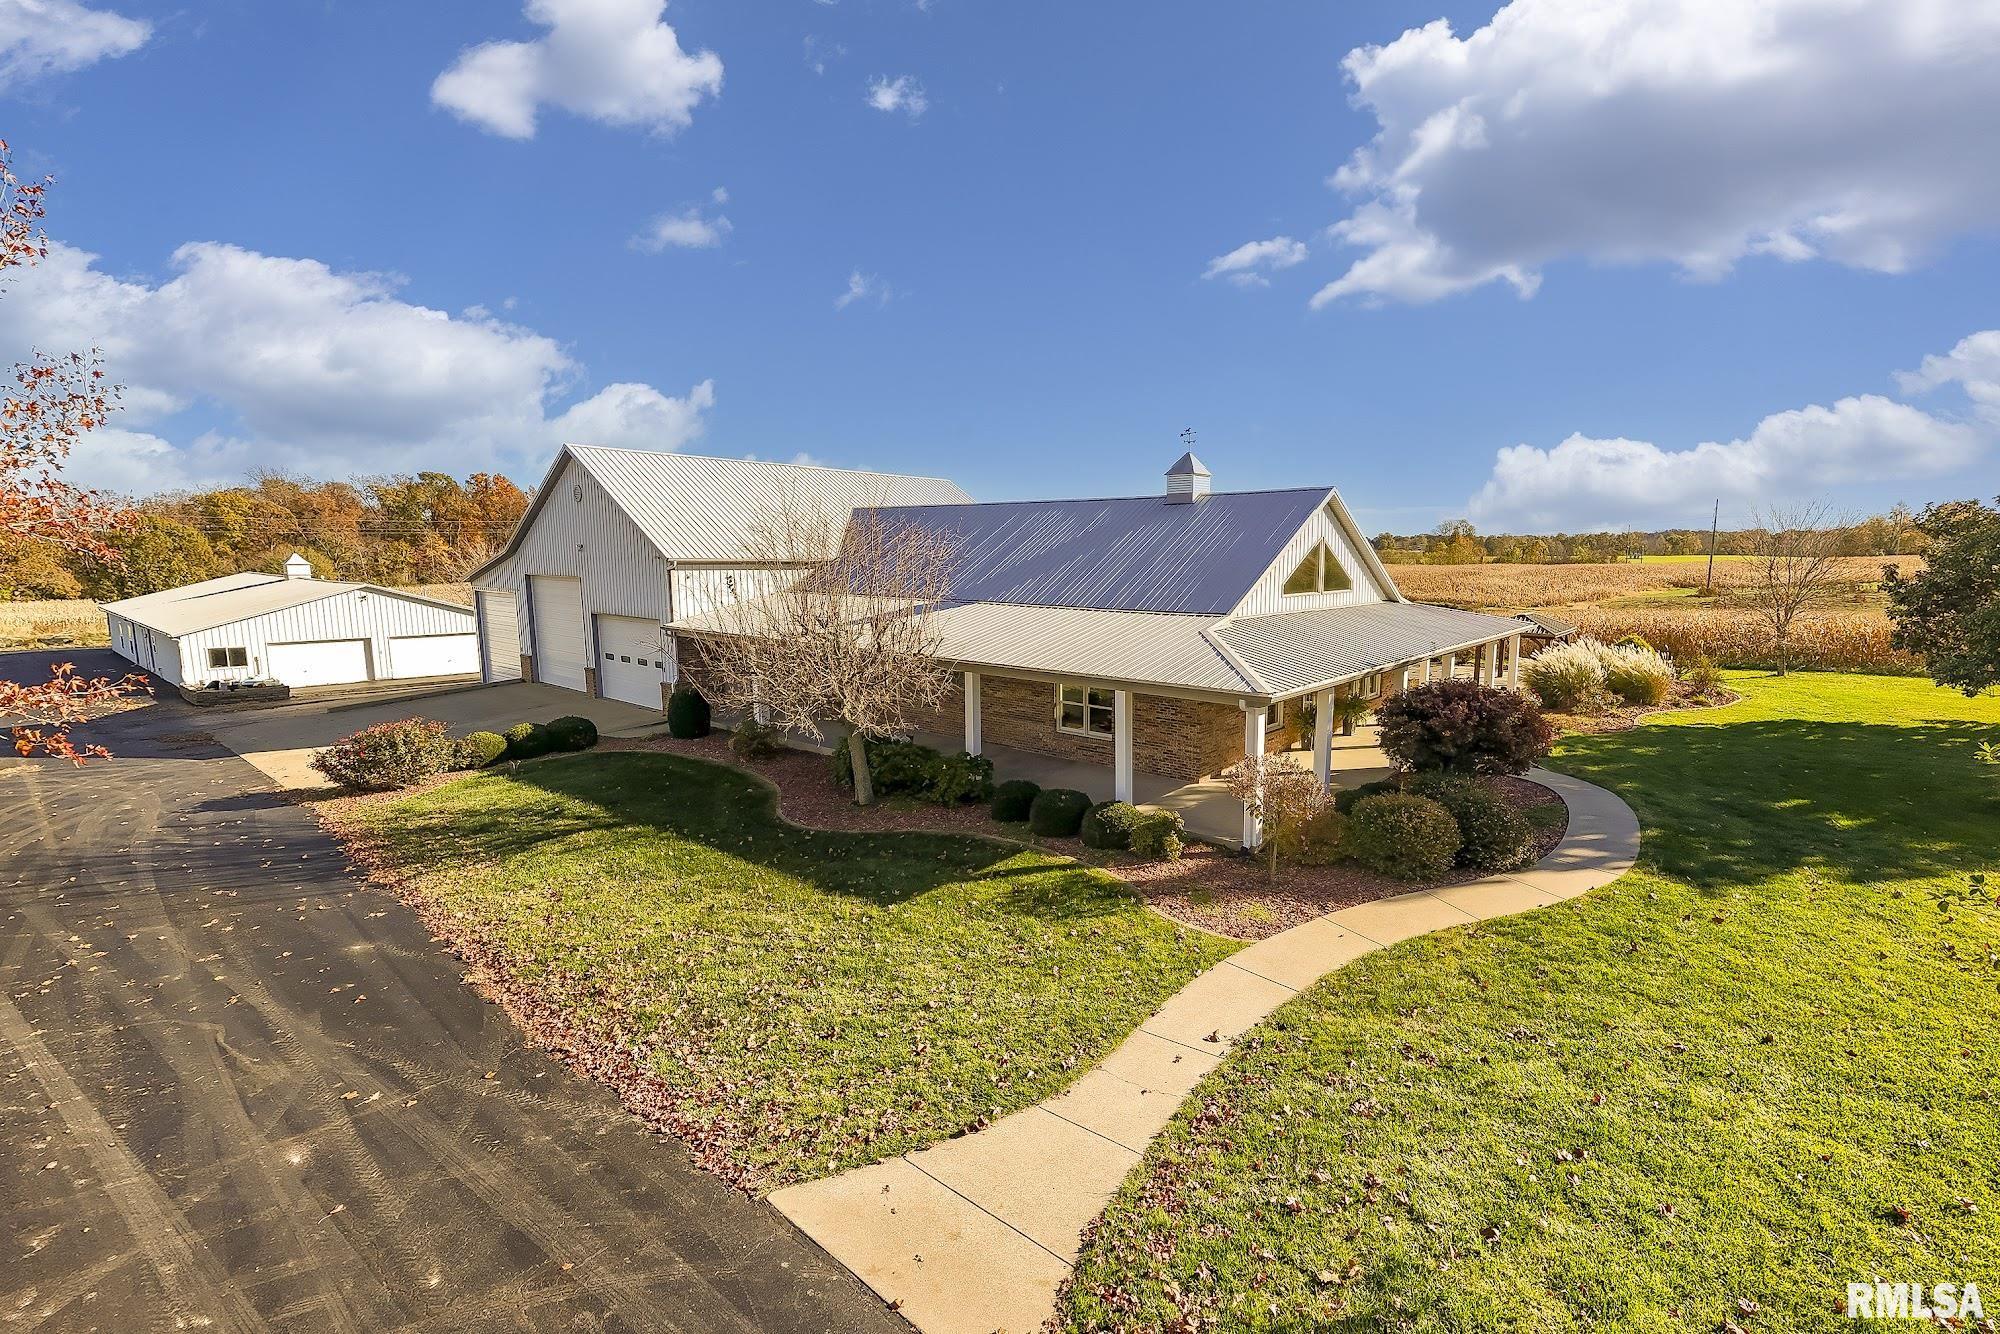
{"x":687,"y":230}
{"x":1588,"y":483}
{"x":1690,"y":132}
{"x":902,"y":93}
{"x":614,"y":61}
{"x":1249,"y":263}
{"x":300,"y":366}
{"x":41,"y":37}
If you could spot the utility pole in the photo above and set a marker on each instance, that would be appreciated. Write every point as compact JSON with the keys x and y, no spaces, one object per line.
{"x":1714,"y":527}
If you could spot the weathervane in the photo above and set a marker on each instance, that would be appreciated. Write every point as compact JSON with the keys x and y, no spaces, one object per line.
{"x":1187,"y":438}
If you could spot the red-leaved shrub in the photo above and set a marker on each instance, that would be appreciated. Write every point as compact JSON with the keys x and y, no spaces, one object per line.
{"x":387,"y":755}
{"x":1464,"y":727}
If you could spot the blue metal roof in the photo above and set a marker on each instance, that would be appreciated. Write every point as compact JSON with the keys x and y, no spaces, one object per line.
{"x":1135,"y":553}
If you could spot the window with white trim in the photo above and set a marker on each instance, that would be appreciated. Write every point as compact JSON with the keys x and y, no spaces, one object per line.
{"x":1369,"y":686}
{"x":1274,"y":716}
{"x":1086,"y":710}
{"x":228,"y":657}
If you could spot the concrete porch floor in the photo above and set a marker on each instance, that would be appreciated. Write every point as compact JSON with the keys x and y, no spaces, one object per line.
{"x":1210,"y":813}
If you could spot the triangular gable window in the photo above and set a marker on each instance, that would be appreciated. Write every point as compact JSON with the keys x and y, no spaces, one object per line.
{"x":1319,"y":572}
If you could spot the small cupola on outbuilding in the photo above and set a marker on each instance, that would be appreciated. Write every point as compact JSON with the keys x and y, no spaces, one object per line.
{"x":1187,"y":480}
{"x":298,"y":567}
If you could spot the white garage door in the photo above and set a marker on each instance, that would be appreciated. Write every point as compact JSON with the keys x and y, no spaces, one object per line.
{"x":559,"y":653}
{"x":320,"y":662}
{"x":631,"y":660}
{"x":499,"y":636}
{"x":433,"y":655}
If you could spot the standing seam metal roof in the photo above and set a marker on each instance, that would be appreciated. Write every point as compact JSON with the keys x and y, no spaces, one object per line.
{"x":697,"y":508}
{"x":1298,"y":650}
{"x":239,"y":597}
{"x":1131,"y":553}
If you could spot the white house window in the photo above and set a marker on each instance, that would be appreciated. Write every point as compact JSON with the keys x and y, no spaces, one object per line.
{"x":1274,"y":717}
{"x":1369,"y":686}
{"x":228,"y":657}
{"x":1085,"y":711}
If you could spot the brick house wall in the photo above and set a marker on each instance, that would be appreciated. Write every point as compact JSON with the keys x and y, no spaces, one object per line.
{"x":1175,"y":738}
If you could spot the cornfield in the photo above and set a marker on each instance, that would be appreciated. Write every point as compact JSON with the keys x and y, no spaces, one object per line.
{"x":57,"y":623}
{"x":1827,"y":641}
{"x":1516,"y":587}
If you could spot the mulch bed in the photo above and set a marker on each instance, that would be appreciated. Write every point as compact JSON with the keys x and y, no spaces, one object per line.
{"x":1216,"y":889}
{"x":1232,"y":895}
{"x":1627,"y":716}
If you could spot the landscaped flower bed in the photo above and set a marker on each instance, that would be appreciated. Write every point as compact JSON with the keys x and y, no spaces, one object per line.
{"x":1216,"y":889}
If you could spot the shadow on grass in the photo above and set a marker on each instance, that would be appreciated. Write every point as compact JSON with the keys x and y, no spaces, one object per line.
{"x":735,"y":815}
{"x":1734,"y":803}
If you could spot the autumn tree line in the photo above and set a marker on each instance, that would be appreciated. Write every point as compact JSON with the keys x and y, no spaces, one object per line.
{"x":428,"y":529}
{"x":1457,"y":542}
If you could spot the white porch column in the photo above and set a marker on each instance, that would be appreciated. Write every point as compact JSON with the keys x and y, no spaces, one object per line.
{"x":1450,"y":665}
{"x":1430,"y":666}
{"x":1323,"y":739}
{"x":1253,"y":748}
{"x":1514,"y":661}
{"x":1489,"y":663}
{"x":974,"y":738}
{"x":1121,"y":745}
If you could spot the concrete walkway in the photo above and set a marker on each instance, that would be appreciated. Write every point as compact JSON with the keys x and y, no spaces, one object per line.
{"x":976,"y":1233}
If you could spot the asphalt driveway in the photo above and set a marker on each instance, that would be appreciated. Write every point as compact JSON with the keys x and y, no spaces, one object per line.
{"x":241,"y":1090}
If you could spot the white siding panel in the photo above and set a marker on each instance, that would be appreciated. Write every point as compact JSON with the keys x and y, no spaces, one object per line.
{"x":589,"y":538}
{"x":360,"y":614}
{"x":499,"y":636}
{"x":1267,"y":596}
{"x":433,"y":655}
{"x":704,"y":588}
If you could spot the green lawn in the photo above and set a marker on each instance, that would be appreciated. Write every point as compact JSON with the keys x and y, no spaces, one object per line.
{"x":811,"y":1001}
{"x":1760,"y":1065}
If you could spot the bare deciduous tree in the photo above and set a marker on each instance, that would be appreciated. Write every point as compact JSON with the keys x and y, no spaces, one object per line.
{"x":1795,"y":557}
{"x":848,"y":642}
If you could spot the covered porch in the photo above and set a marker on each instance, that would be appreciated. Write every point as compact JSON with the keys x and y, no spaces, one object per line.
{"x":1340,"y":756}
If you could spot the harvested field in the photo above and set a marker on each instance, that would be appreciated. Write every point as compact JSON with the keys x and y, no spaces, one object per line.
{"x":1664,"y":603}
{"x":1519,"y":587}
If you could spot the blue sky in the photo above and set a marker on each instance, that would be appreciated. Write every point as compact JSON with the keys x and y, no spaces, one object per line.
{"x":387,"y":272}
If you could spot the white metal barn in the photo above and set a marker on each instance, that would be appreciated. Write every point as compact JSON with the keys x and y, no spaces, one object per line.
{"x":620,"y":542}
{"x":291,"y":628}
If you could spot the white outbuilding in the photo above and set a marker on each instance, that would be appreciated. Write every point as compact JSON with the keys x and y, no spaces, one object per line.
{"x":291,"y":628}
{"x":620,"y":542}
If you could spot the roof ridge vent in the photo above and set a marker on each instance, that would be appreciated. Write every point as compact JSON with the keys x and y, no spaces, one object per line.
{"x":1187,"y":480}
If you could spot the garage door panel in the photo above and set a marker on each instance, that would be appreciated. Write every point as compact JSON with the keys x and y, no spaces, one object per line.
{"x":433,"y":655}
{"x":500,"y":636}
{"x":320,"y":662}
{"x":631,"y":659}
{"x":560,"y":656}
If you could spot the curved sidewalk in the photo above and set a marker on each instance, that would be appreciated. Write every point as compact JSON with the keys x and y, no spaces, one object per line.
{"x":975,"y":1234}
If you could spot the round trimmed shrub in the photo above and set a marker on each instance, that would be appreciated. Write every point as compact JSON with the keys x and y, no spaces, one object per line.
{"x":1343,"y":800}
{"x":902,"y":767}
{"x":387,"y":755}
{"x":1497,"y":837}
{"x":527,"y":740}
{"x":1159,"y":835}
{"x":1013,"y":799}
{"x":753,"y":740}
{"x":687,"y":713}
{"x":1410,"y":838}
{"x":1108,"y":824}
{"x":962,"y":778}
{"x":1464,"y":726}
{"x":476,"y":750}
{"x":1322,"y":839}
{"x":572,"y":733}
{"x":1058,"y":812}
